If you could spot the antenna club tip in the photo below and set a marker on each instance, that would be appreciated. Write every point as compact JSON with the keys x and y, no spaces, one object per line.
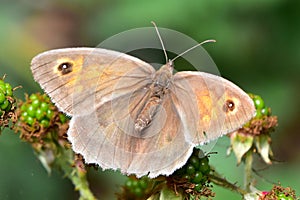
{"x":207,"y":41}
{"x":210,"y":40}
{"x":152,"y":22}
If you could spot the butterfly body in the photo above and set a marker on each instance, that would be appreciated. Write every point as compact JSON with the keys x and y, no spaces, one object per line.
{"x":127,"y":116}
{"x":157,"y":89}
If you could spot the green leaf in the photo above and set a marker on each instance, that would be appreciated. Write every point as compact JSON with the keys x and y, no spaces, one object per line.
{"x":154,"y":197}
{"x":263,"y":147}
{"x":46,"y":158}
{"x":240,"y":143}
{"x":166,"y":194}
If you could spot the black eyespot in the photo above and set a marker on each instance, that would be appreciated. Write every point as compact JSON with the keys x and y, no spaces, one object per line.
{"x":229,"y":105}
{"x":65,"y":68}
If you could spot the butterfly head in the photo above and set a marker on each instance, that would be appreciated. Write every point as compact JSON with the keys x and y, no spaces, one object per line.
{"x":170,"y":64}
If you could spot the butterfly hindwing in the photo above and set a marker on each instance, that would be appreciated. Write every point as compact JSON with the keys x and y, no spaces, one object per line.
{"x":159,"y":149}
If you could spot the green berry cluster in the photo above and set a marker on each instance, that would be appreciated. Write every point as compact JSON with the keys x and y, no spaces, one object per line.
{"x":261,"y":109}
{"x":279,"y":192}
{"x":40,"y":123}
{"x":138,"y":187}
{"x":37,"y":108}
{"x":282,"y":196}
{"x":6,"y":99}
{"x":195,"y":170}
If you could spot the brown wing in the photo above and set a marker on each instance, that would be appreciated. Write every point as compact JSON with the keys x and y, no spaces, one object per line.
{"x":210,"y":105}
{"x":109,"y":140}
{"x":77,"y":79}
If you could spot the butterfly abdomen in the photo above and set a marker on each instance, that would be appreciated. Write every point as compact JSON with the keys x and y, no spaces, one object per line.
{"x":146,"y":115}
{"x":157,"y":91}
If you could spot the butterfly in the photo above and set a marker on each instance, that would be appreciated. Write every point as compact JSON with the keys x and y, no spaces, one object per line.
{"x":128,"y":116}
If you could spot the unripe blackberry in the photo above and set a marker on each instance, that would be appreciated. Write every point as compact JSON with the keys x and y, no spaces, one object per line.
{"x":7,"y":105}
{"x":37,"y":110}
{"x":194,"y":172}
{"x":137,"y":188}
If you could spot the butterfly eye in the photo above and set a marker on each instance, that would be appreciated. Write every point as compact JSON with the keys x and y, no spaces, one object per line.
{"x":65,"y":68}
{"x":229,"y":105}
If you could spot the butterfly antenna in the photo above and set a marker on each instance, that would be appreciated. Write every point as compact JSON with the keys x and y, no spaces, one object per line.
{"x":197,"y":45}
{"x":162,"y":44}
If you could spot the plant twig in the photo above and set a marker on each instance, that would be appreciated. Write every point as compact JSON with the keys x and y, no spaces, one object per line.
{"x":248,"y":171}
{"x":75,"y":173}
{"x":216,"y":179}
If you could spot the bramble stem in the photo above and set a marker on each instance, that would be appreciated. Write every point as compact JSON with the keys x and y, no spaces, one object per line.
{"x":76,"y":174}
{"x":216,"y":179}
{"x":248,"y":171}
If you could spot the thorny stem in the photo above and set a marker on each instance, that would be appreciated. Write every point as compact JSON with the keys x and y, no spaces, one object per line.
{"x":75,"y":174}
{"x":248,"y":171}
{"x":82,"y":186}
{"x":216,"y":179}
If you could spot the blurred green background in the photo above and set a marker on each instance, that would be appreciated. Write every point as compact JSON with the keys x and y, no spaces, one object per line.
{"x":258,"y":48}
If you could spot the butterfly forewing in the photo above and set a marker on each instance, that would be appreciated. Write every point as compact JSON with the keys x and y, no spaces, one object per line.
{"x":91,"y":72}
{"x":203,"y":99}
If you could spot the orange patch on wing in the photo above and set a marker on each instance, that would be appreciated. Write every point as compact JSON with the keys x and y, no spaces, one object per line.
{"x":106,"y":73}
{"x":111,"y":72}
{"x":204,"y":103}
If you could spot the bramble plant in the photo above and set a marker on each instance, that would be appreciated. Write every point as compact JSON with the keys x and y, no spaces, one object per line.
{"x":39,"y":123}
{"x":7,"y":105}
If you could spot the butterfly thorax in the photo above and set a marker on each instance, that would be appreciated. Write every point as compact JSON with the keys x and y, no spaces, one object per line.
{"x":157,"y":91}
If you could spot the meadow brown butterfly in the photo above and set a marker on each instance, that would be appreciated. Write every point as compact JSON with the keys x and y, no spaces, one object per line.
{"x":128,"y":116}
